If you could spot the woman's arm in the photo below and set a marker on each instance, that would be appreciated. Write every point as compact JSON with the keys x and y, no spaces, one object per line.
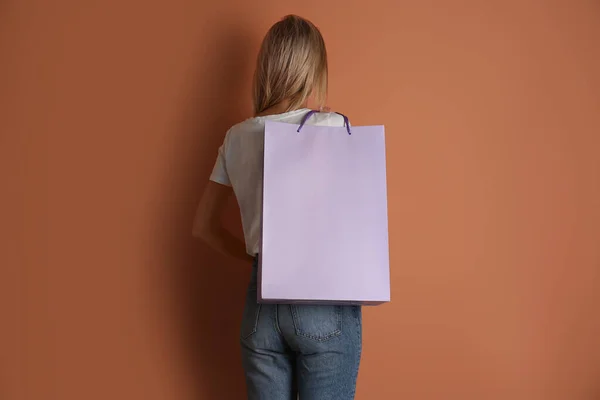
{"x":207,"y":223}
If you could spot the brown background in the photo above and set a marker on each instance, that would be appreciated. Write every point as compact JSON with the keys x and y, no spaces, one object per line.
{"x":111,"y":115}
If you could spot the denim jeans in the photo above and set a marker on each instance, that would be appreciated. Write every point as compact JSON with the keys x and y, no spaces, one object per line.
{"x":310,"y":351}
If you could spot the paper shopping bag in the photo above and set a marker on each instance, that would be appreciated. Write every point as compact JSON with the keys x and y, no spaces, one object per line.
{"x":325,"y":226}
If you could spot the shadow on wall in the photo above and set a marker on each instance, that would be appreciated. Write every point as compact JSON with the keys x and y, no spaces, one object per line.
{"x":206,"y":290}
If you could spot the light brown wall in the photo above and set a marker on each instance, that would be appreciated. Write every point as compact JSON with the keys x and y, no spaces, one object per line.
{"x":111,"y":115}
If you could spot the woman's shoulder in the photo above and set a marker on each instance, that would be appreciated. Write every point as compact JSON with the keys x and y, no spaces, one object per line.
{"x":329,"y":119}
{"x":257,"y":124}
{"x":247,"y":125}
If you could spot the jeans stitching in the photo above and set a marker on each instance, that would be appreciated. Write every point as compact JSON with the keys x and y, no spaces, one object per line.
{"x":255,"y":324}
{"x":358,"y":324}
{"x":276,"y":322}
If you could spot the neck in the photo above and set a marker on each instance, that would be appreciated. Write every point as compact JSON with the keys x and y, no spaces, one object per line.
{"x":279,"y":108}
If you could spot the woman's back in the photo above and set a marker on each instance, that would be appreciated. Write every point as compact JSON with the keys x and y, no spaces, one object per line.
{"x":240,"y":165}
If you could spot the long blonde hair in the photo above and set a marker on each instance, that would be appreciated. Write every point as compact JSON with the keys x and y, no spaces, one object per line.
{"x":291,"y":66}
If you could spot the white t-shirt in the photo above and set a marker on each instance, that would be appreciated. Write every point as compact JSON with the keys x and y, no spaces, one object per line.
{"x":240,"y":165}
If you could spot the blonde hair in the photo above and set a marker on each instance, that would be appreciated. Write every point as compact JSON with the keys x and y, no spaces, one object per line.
{"x":291,"y":66}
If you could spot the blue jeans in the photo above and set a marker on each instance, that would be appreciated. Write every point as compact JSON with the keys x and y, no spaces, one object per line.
{"x":305,"y":350}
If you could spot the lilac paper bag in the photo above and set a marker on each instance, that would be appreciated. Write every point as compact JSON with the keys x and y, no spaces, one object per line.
{"x":325,"y":227}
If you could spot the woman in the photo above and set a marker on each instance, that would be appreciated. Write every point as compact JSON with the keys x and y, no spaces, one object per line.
{"x":287,"y":350}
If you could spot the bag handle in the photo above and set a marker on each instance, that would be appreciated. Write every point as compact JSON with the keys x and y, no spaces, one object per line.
{"x":312,"y":112}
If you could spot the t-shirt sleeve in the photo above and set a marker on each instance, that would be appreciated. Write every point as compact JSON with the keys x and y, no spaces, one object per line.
{"x":219,"y":172}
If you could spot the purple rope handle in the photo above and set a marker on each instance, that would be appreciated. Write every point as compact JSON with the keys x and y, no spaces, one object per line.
{"x":311,"y":112}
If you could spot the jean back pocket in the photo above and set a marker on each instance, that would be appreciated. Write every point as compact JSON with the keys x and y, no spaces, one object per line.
{"x":318,"y":322}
